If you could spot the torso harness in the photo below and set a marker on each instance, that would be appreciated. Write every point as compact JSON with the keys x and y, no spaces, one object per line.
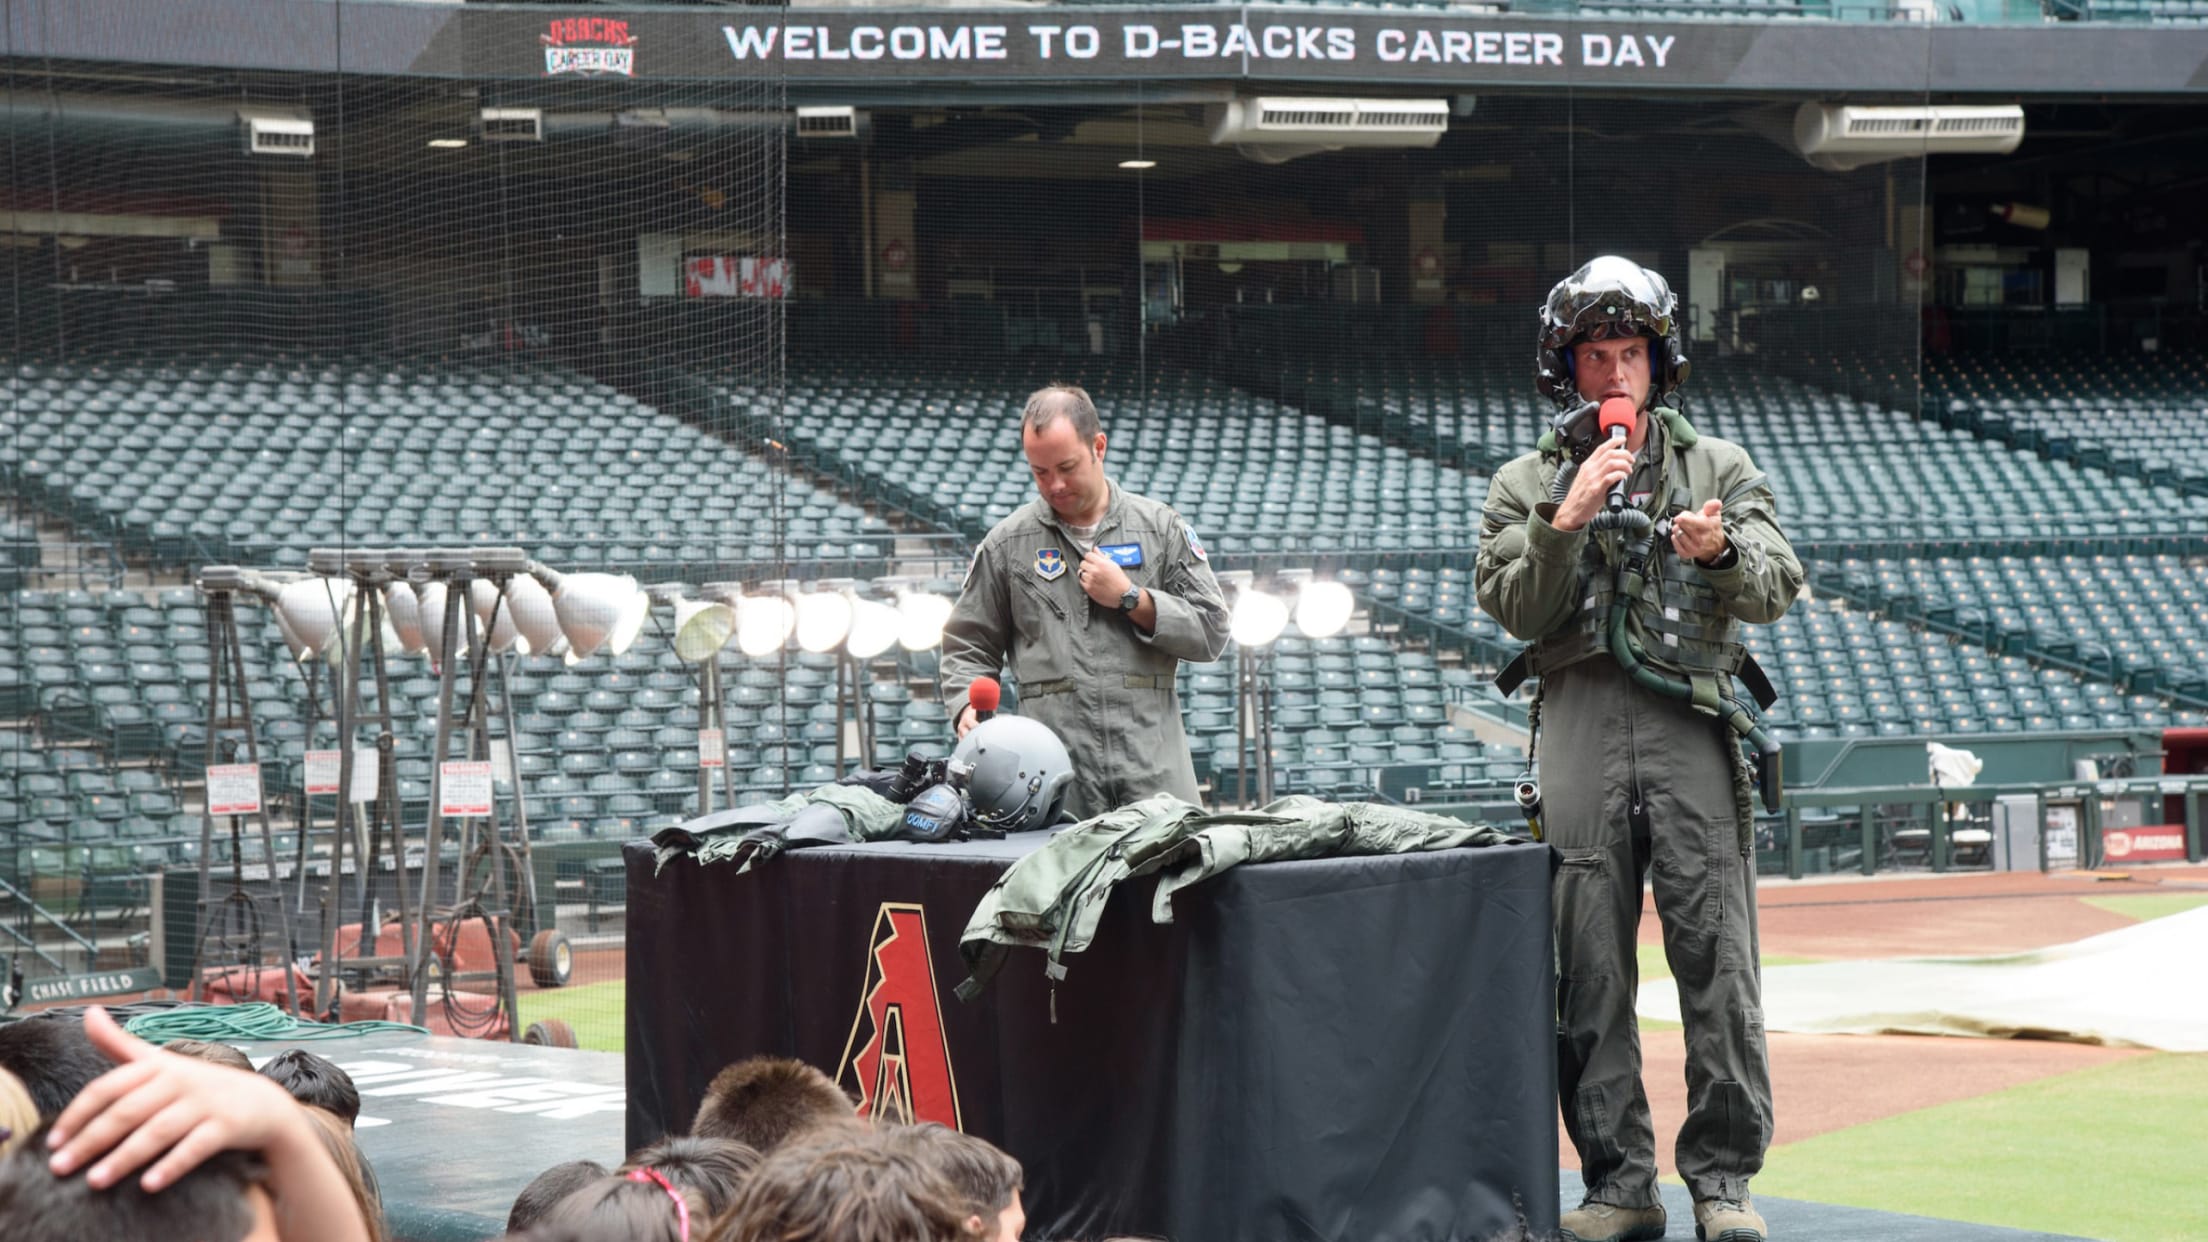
{"x":1701,"y":657}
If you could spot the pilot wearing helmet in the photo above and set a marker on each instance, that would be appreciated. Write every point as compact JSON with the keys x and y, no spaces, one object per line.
{"x":1631,"y":610}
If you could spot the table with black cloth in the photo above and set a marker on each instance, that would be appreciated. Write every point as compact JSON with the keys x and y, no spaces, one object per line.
{"x":1345,"y":1048}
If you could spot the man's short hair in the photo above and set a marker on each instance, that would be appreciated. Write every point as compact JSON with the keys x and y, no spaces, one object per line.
{"x":315,"y":1080}
{"x":713,"y":1169}
{"x":983,"y":1175}
{"x":1051,"y":402}
{"x":851,"y":1187}
{"x":763,"y":1101}
{"x":210,"y":1202}
{"x":53,"y":1056}
{"x":209,"y":1050}
{"x":545,"y":1191}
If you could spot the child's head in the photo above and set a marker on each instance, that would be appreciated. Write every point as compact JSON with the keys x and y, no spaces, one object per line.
{"x":986,"y":1178}
{"x":221,"y":1200}
{"x":53,"y":1057}
{"x":208,"y":1050}
{"x":544,"y":1193}
{"x":315,"y":1081}
{"x":710,"y":1169}
{"x":763,"y":1102}
{"x":846,"y":1186}
{"x":638,"y":1206}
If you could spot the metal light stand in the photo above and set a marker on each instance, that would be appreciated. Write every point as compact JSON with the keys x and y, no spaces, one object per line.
{"x":712,"y":707}
{"x":311,"y":676}
{"x":503,"y":575}
{"x":713,"y":714}
{"x":227,"y":689}
{"x":728,"y":593}
{"x":1253,"y":725}
{"x":862,"y":707}
{"x":457,"y":569}
{"x":370,"y":574}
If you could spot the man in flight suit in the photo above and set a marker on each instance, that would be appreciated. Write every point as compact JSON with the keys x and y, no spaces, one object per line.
{"x":1638,"y":780}
{"x":1094,"y":595}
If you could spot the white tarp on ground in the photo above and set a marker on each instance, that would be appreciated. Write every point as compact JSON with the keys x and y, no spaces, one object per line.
{"x":2145,"y":986}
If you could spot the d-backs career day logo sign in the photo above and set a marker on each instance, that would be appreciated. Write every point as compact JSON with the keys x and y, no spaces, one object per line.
{"x":898,"y":1057}
{"x":593,"y":47}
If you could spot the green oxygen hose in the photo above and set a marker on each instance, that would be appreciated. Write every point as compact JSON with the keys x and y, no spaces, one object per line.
{"x":1735,"y":715}
{"x":239,"y":1023}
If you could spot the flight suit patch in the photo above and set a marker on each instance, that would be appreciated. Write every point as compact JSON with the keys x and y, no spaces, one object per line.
{"x":1050,"y":564}
{"x":1124,"y":555}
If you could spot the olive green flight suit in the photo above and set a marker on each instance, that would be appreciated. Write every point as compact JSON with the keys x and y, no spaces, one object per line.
{"x":1636,"y":784}
{"x":1101,"y":683}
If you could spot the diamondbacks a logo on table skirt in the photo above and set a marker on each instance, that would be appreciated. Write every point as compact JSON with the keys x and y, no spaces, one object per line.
{"x":898,"y":1057}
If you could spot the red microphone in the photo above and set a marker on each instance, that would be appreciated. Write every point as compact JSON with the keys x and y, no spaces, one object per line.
{"x":983,"y":696}
{"x":1615,"y":418}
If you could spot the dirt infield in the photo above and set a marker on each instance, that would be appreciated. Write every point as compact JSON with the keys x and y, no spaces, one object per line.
{"x":1822,"y":1083}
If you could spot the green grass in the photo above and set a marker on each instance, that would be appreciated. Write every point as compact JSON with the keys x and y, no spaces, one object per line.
{"x":2111,"y":1152}
{"x":2146,"y":906}
{"x":595,"y":1011}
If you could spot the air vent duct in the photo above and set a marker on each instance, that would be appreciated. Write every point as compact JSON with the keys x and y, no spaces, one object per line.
{"x":278,"y":135}
{"x":1273,"y":128}
{"x":1840,"y":137}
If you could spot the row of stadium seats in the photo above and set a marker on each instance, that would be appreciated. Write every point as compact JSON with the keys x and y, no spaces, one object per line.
{"x":1846,"y":472}
{"x":1251,"y":475}
{"x":2140,"y":622}
{"x":1846,"y":672}
{"x":257,"y":460}
{"x":2098,"y":411}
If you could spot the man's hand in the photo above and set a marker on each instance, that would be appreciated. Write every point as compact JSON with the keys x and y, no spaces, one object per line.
{"x":967,"y":719}
{"x":1699,"y":536}
{"x":1103,"y":579}
{"x":1611,"y":463}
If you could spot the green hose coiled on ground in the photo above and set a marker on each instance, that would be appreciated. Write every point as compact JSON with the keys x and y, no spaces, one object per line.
{"x":240,"y":1023}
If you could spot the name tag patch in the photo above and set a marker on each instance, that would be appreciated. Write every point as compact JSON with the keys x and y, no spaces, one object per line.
{"x":1124,"y":555}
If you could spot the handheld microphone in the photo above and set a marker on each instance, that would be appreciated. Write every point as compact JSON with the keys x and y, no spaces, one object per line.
{"x":983,"y":696}
{"x":1616,"y":423}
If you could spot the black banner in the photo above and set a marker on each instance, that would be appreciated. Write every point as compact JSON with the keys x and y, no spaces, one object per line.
{"x":865,"y":50}
{"x":1351,"y":1048}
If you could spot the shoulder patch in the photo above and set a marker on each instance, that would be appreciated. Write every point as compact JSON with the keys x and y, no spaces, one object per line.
{"x":1195,"y":545}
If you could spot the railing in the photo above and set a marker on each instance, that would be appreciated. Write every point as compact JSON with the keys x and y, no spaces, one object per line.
{"x":1920,"y":827}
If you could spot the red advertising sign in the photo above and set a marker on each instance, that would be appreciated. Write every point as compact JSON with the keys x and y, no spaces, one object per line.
{"x":2146,"y":843}
{"x":728,"y":276}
